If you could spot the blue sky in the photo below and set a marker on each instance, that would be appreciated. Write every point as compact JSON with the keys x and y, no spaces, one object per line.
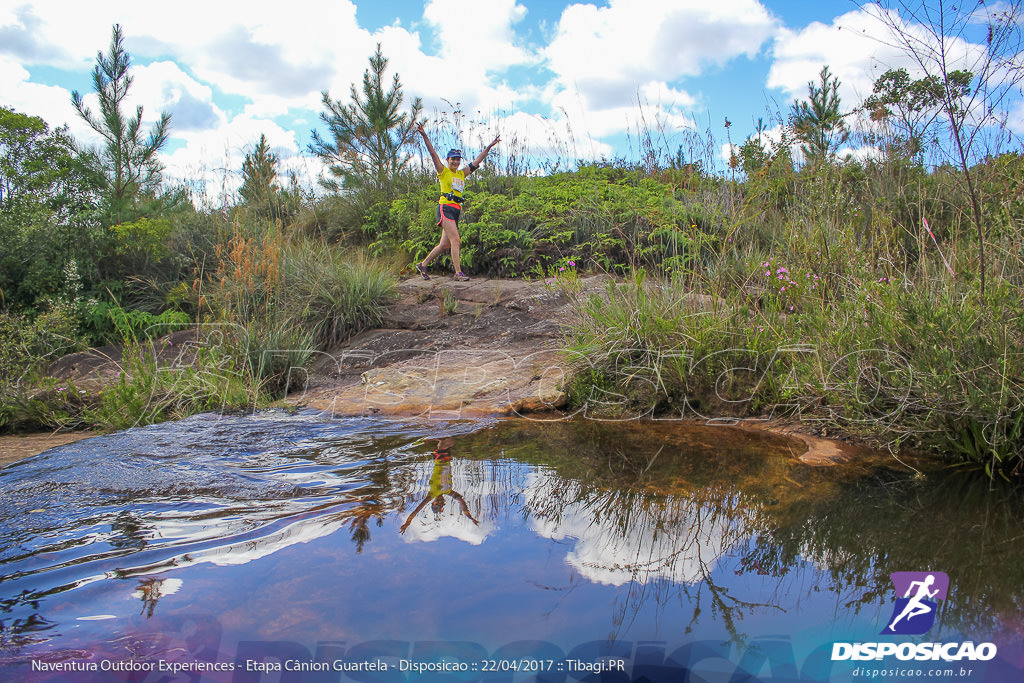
{"x":553,"y":78}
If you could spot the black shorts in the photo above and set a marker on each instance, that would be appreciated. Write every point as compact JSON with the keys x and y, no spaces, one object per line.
{"x":448,"y":211}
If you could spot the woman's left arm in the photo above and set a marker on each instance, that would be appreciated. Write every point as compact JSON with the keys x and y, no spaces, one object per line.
{"x":475,"y":164}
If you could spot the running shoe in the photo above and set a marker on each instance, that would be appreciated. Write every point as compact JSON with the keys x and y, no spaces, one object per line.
{"x":422,"y":271}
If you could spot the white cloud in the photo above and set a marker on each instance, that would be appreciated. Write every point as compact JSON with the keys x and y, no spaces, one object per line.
{"x":474,"y":52}
{"x":866,"y":153}
{"x":1015,"y":122}
{"x":534,"y":136}
{"x":858,"y":47}
{"x":239,"y":48}
{"x":637,"y":113}
{"x":607,"y":51}
{"x":851,"y":47}
{"x":611,"y":61}
{"x":60,"y":34}
{"x":163,"y":86}
{"x":268,"y":54}
{"x":49,"y":102}
{"x":477,"y":37}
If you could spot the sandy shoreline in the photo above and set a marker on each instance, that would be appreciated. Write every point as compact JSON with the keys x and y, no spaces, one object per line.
{"x":15,"y":447}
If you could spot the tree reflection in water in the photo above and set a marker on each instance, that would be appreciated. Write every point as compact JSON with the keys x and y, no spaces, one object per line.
{"x":661,"y":511}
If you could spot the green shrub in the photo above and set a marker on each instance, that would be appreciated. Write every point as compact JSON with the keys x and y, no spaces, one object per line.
{"x":109,"y":323}
{"x":603,"y":216}
{"x":26,"y":346}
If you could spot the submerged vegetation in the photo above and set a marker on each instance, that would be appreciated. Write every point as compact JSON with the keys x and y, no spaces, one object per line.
{"x":877,"y":294}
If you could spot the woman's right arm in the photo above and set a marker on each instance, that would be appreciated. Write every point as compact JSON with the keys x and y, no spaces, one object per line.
{"x":430,"y":148}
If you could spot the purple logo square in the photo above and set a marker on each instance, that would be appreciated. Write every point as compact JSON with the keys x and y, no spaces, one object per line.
{"x":917,"y":600}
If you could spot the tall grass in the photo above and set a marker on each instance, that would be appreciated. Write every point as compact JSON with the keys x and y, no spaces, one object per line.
{"x":839,"y":310}
{"x":895,"y":364}
{"x":149,"y":390}
{"x":336,"y":292}
{"x":264,"y":302}
{"x":291,"y":297}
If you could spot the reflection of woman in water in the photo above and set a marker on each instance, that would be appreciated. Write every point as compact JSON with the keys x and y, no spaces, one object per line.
{"x":441,"y":485}
{"x":915,"y":607}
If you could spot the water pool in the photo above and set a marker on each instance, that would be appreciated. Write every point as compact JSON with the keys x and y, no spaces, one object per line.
{"x":279,"y":547}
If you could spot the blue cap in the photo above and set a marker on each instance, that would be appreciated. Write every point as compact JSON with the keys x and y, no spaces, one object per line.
{"x":454,"y":153}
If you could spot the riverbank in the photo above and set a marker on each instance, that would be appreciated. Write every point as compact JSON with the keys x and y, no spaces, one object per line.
{"x":489,"y":347}
{"x":445,"y":350}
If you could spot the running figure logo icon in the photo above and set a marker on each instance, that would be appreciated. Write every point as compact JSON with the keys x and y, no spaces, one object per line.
{"x":914,"y":613}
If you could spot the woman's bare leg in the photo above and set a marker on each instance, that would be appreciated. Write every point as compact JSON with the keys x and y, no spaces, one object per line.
{"x":451,"y":231}
{"x":437,"y":250}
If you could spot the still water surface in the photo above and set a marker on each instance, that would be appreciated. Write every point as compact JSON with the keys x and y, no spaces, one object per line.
{"x":217,"y":537}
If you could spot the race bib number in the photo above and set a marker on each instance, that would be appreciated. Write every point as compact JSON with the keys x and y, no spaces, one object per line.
{"x":458,"y":185}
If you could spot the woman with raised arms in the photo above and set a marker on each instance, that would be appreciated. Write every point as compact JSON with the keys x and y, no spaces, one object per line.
{"x":449,"y":205}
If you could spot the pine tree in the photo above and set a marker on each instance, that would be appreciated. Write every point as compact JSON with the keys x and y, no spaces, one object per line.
{"x":367,"y":135}
{"x":818,"y":121}
{"x":126,"y":160}
{"x":259,"y":175}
